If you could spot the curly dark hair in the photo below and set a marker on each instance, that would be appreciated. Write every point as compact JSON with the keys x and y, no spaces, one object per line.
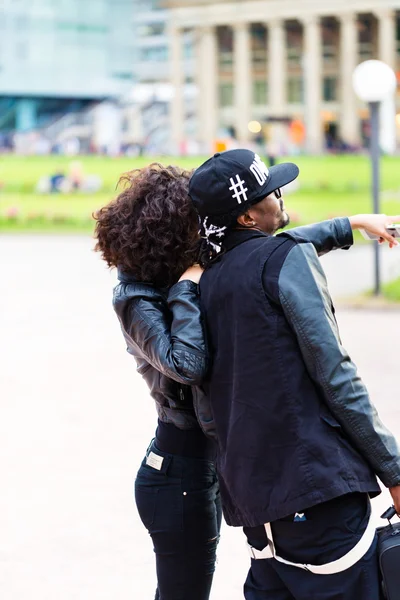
{"x":151,"y":229}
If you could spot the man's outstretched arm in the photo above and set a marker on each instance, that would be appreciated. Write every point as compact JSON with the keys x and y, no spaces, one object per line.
{"x":325,"y":236}
{"x":338,"y":233}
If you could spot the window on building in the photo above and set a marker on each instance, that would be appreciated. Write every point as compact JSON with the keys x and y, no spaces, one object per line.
{"x":226,"y":94}
{"x":294,"y":44}
{"x":294,"y":56}
{"x":330,"y":54}
{"x":260,"y":93}
{"x":156,"y":54}
{"x":366,"y":51}
{"x":225,"y":39}
{"x":125,"y":76}
{"x":226,"y":61}
{"x":366,"y":31}
{"x":156,"y":29}
{"x":330,"y":40}
{"x":152,"y":29}
{"x":329,"y":91}
{"x":295,"y":90}
{"x":225,"y":49}
{"x":188,"y":47}
{"x":259,"y":46}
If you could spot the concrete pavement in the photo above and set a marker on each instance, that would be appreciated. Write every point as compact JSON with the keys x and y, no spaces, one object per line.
{"x":76,"y":420}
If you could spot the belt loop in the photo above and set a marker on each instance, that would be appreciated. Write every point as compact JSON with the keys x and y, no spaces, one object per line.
{"x":149,"y":447}
{"x":270,"y":538}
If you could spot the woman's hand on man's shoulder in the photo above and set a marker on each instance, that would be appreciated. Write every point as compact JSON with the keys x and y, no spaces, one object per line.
{"x":193,"y":273}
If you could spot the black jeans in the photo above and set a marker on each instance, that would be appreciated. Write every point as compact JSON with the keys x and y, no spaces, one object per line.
{"x":330,"y":531}
{"x":179,"y":505}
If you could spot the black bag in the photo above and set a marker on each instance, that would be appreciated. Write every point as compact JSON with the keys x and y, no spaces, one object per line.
{"x":389,"y":556}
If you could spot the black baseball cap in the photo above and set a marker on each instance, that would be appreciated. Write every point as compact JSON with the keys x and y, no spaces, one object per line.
{"x":236,"y":177}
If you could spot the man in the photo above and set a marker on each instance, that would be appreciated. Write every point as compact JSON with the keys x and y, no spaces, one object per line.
{"x":300,"y":444}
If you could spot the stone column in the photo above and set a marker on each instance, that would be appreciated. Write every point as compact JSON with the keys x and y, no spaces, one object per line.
{"x":243,"y":82}
{"x":177,"y":82}
{"x":207,"y":81}
{"x":387,"y":37}
{"x":349,"y":120}
{"x":313,"y":84}
{"x":276,"y":67}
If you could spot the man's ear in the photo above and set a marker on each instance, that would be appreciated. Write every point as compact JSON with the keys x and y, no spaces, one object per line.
{"x":246,"y":220}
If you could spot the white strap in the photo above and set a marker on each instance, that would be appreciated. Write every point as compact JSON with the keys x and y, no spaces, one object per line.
{"x":337,"y":566}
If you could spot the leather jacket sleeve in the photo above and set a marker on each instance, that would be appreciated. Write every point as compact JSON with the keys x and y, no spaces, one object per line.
{"x":172,"y":341}
{"x":325,"y":236}
{"x":305,"y":300}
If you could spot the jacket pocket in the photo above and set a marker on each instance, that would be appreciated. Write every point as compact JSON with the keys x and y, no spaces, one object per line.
{"x":331,"y":421}
{"x":203,"y":411}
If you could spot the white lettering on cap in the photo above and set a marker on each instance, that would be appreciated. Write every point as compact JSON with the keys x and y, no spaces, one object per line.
{"x":259,"y":170}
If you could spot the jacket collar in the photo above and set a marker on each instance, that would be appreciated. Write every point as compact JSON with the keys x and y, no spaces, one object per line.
{"x":125,"y":276}
{"x":237,"y":236}
{"x":140,"y":287}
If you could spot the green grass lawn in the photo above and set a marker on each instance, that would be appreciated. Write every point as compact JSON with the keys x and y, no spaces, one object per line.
{"x":391,"y":290}
{"x":329,"y":186}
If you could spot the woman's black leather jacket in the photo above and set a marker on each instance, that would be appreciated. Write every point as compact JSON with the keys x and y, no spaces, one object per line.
{"x":163,"y":330}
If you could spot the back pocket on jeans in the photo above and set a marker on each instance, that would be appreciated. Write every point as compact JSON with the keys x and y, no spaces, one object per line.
{"x":146,"y":502}
{"x":160,"y":509}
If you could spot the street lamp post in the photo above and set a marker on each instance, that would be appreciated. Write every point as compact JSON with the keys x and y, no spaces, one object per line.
{"x":373,"y":82}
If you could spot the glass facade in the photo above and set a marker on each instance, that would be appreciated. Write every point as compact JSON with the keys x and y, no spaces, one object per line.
{"x":65,"y":48}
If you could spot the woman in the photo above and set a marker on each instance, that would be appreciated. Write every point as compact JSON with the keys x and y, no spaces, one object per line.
{"x":150,"y":232}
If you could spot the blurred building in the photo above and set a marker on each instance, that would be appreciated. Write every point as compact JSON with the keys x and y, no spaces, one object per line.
{"x":151,"y":42}
{"x":146,"y":120}
{"x":147,"y":114}
{"x":60,"y":57}
{"x":281,"y":62}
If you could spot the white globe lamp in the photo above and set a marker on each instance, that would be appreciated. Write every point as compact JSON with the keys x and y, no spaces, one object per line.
{"x":373,"y":81}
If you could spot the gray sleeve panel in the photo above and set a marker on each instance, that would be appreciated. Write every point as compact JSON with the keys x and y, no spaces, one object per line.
{"x":325,"y":236}
{"x":307,"y":305}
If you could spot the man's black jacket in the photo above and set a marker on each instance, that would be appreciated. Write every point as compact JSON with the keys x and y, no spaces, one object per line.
{"x":294,"y":422}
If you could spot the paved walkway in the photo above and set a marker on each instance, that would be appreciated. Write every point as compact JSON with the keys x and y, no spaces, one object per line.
{"x":76,"y":420}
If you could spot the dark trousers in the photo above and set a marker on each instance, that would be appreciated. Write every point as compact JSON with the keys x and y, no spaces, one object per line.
{"x":329,"y":532}
{"x":180,"y":507}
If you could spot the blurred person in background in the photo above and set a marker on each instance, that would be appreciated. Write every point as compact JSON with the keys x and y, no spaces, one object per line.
{"x":76,"y":175}
{"x":150,"y":233}
{"x":56,"y":181}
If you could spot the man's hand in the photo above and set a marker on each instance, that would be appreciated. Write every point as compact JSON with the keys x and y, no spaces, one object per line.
{"x":395,"y":492}
{"x":376,"y":224}
{"x":193,"y":273}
